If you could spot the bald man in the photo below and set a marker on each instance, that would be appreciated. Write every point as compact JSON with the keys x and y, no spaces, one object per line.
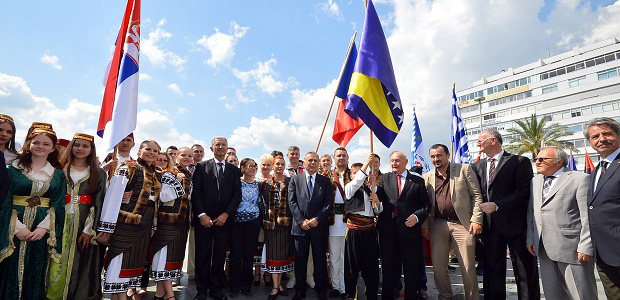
{"x":406,"y":206}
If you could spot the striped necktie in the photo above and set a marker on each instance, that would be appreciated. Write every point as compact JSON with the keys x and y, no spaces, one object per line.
{"x":491,"y":170}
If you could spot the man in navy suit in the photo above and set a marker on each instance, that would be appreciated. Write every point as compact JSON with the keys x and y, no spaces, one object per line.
{"x":310,"y":197}
{"x":215,"y":199}
{"x":604,"y":201}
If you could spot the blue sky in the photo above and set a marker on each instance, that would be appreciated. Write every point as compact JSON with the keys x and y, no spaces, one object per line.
{"x":262,"y":73}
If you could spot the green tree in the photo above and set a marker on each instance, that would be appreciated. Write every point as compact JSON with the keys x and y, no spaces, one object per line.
{"x":532,"y":134}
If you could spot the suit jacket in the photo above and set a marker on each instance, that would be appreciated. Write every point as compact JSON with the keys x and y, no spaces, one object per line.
{"x":303,"y":207}
{"x":208,"y":198}
{"x":604,"y":206}
{"x":4,"y":178}
{"x":509,"y":189}
{"x":562,"y":218}
{"x":465,"y":193}
{"x":412,"y":200}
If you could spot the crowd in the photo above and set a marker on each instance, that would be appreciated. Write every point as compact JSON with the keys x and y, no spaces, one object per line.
{"x":72,"y":227}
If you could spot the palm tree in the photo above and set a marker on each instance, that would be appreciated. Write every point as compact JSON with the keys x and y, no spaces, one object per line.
{"x":532,"y":134}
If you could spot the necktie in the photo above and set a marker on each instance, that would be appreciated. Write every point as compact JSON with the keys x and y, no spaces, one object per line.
{"x":310,"y":186}
{"x":603,"y":168}
{"x":491,"y":170}
{"x":220,"y":172}
{"x":400,"y":184}
{"x":547,"y":185}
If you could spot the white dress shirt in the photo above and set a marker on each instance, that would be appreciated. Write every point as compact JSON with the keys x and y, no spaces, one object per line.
{"x":608,"y":159}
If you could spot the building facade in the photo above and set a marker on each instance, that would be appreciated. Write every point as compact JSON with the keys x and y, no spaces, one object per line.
{"x":570,"y":89}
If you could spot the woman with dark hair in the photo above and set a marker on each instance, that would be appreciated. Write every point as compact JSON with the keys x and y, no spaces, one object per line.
{"x":127,"y":217}
{"x":172,"y":229}
{"x":245,"y":228}
{"x":277,"y":226}
{"x":77,"y":275}
{"x":35,"y":205}
{"x":164,"y":161}
{"x":7,"y":138}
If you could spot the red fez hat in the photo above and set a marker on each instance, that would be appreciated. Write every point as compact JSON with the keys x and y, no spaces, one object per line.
{"x":63,"y":142}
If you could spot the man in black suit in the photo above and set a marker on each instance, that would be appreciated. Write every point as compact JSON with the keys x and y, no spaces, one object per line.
{"x":505,"y":182}
{"x":215,"y":199}
{"x":405,"y":207}
{"x":310,"y":197}
{"x":604,"y":201}
{"x":4,"y":178}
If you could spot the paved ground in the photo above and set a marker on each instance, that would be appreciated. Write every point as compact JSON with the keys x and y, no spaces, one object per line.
{"x":187,"y":290}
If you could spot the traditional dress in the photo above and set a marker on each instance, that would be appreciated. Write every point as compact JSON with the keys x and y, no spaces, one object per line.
{"x":34,"y":200}
{"x":277,"y":226}
{"x":78,"y":274}
{"x":130,"y":221}
{"x":172,"y":227}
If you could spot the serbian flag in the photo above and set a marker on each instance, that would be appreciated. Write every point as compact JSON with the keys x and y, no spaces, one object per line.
{"x":346,"y":127}
{"x":119,"y":107}
{"x":373,"y":94}
{"x":589,"y":166}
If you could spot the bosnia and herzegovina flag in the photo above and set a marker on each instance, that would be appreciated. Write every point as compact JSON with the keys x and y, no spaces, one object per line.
{"x":373,"y":94}
{"x":119,"y":107}
{"x":346,"y":127}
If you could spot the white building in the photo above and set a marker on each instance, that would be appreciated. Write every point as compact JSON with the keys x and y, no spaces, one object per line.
{"x":570,"y":89}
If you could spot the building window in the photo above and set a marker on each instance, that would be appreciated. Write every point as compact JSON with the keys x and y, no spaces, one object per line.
{"x":586,"y":111}
{"x":610,"y":57}
{"x":549,"y":88}
{"x":608,"y":107}
{"x":589,"y":63}
{"x":489,"y":117}
{"x":600,"y":60}
{"x":607,"y":74}
{"x":597,"y":109}
{"x":577,"y":81}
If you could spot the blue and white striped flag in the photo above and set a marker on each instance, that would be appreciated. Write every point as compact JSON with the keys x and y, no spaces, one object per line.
{"x":419,"y":154}
{"x":459,"y":135}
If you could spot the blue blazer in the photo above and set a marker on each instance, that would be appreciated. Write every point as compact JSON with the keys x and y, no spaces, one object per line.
{"x":303,"y":207}
{"x":604,"y":210}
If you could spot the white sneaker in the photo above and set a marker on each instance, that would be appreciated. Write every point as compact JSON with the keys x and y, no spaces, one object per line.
{"x":291,"y":280}
{"x":310,"y":282}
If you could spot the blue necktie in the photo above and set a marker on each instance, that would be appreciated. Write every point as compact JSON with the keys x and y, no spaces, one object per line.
{"x":310,"y":186}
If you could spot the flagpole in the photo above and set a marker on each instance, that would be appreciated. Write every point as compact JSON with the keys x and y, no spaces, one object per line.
{"x":111,"y":172}
{"x":335,"y":92}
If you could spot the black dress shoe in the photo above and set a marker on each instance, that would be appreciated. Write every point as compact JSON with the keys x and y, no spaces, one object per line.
{"x":334,"y":294}
{"x":299,"y":296}
{"x":247,"y":293}
{"x":233,"y":294}
{"x":274,"y":296}
{"x":218,"y":295}
{"x":282,"y":291}
{"x":200,"y":296}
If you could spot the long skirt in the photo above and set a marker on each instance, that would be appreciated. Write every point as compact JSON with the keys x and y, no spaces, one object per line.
{"x":169,"y":247}
{"x":279,"y":250}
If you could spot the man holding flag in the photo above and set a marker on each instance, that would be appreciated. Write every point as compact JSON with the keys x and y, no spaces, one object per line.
{"x":373,"y":96}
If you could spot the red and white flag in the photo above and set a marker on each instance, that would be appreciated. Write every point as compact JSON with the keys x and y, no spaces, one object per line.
{"x":119,"y":108}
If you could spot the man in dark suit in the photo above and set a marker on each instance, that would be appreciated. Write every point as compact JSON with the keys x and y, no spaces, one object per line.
{"x":310,"y":197}
{"x":505,"y":182}
{"x":4,"y":178}
{"x":406,"y":206}
{"x":604,"y":202}
{"x":215,"y":199}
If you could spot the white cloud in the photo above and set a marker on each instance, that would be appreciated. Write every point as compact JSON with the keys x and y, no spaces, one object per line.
{"x":24,"y":106}
{"x":244,"y":98}
{"x":144,"y":76}
{"x":221,"y":46}
{"x":158,"y":56}
{"x":191,"y":94}
{"x":182,"y":110}
{"x":144,"y":97}
{"x":265,"y":77}
{"x":52,"y":60}
{"x":332,"y":9}
{"x":175,"y":89}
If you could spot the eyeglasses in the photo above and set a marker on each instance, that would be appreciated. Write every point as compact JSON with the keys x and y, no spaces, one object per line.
{"x":541,"y":159}
{"x":482,"y":142}
{"x":252,"y":166}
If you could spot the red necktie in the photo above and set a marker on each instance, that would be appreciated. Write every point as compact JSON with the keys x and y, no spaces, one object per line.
{"x":400,"y":184}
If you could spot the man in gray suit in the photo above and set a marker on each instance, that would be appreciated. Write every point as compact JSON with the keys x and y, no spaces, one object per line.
{"x":558,"y":229}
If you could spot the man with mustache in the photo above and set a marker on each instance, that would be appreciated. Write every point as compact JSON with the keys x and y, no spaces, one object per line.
{"x":604,"y":201}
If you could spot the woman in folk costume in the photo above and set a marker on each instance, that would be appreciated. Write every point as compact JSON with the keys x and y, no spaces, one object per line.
{"x":127,"y":218}
{"x":277,"y":226}
{"x":32,"y":218}
{"x":172,"y":229}
{"x":7,"y":138}
{"x":78,"y":274}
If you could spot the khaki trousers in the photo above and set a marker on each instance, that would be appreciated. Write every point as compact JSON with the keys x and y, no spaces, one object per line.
{"x":191,"y":257}
{"x":443,"y":235}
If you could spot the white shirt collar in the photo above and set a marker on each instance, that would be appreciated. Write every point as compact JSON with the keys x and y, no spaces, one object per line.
{"x":48,"y":168}
{"x":497,"y":156}
{"x":558,"y":173}
{"x":403,"y":174}
{"x":612,"y":156}
{"x":313,"y":176}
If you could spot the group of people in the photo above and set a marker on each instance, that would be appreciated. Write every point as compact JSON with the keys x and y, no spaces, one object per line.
{"x":66,"y":219}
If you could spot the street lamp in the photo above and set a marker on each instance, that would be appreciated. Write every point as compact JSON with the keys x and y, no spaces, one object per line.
{"x":479,"y":101}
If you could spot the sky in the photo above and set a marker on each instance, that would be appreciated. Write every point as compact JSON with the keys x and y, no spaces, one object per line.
{"x":263,"y":73}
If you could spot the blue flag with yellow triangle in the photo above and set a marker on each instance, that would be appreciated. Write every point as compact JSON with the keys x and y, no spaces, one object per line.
{"x":373,"y":94}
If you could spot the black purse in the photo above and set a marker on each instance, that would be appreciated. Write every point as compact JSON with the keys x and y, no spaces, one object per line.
{"x":262,"y":206}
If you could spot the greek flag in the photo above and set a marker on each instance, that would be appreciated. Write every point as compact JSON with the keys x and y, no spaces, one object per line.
{"x":459,"y":135}
{"x":419,"y":154}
